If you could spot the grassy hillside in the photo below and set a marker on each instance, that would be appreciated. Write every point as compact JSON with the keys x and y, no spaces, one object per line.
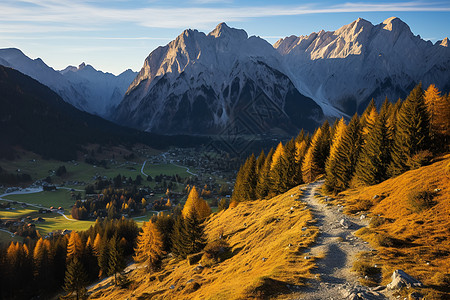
{"x":410,"y":225}
{"x":266,"y":258}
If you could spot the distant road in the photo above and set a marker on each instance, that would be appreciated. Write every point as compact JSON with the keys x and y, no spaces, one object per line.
{"x":12,"y":234}
{"x":187,"y":169}
{"x":142,"y":169}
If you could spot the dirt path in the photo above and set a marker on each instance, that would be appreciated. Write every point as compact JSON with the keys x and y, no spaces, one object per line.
{"x":335,"y":280}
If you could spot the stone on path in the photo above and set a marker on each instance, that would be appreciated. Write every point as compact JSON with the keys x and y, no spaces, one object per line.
{"x":401,"y":279}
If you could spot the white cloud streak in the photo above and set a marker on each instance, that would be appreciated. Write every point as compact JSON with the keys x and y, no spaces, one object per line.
{"x":64,"y":15}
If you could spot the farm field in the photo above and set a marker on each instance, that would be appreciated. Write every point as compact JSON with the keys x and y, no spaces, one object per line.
{"x":60,"y":197}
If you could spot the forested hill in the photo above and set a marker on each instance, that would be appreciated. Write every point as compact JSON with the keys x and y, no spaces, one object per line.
{"x":36,"y":118}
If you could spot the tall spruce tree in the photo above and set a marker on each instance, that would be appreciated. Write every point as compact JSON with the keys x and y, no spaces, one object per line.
{"x":278,"y":169}
{"x":246,"y":181}
{"x":376,"y":152}
{"x":259,"y":164}
{"x":116,"y":262}
{"x":411,"y":132}
{"x":103,"y":256}
{"x":179,"y":244}
{"x":301,"y":146}
{"x":263,"y":182}
{"x":366,"y":114}
{"x":351,"y":148}
{"x":76,"y":279}
{"x":332,"y":181}
{"x":318,"y":151}
{"x":188,"y":236}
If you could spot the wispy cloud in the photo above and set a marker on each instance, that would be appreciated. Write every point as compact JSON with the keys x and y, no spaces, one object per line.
{"x":65,"y":15}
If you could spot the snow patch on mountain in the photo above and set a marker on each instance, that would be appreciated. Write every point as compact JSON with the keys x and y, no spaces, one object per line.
{"x":345,"y":68}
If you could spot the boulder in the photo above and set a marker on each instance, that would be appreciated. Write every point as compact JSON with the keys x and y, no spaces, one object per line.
{"x":194,"y":258}
{"x":198,"y":269}
{"x":401,"y":279}
{"x":192,"y":287}
{"x":345,"y":223}
{"x":415,"y":296}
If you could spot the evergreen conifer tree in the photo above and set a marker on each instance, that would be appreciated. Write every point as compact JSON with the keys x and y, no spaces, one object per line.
{"x":300,"y":151}
{"x":318,"y":151}
{"x":75,"y":280}
{"x":194,"y":234}
{"x":263,"y":180}
{"x":259,"y":163}
{"x":188,"y":236}
{"x":351,"y":148}
{"x":375,"y":154}
{"x":116,"y":262}
{"x":278,"y":169}
{"x":332,"y":182}
{"x":103,"y":257}
{"x":179,"y":243}
{"x":411,"y":132}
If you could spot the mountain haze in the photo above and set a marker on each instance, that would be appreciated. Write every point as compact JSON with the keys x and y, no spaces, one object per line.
{"x":34,"y":117}
{"x":85,"y":88}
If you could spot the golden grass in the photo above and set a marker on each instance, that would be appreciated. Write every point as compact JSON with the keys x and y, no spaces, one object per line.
{"x":416,"y":241}
{"x":267,"y":243}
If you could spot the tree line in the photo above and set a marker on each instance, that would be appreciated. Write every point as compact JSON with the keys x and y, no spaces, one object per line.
{"x":70,"y":262}
{"x":41,"y":267}
{"x":379,"y":144}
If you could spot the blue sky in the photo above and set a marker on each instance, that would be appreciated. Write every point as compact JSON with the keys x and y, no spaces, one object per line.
{"x":116,"y":35}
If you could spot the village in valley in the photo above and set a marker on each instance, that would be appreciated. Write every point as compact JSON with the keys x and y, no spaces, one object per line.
{"x":45,"y":206}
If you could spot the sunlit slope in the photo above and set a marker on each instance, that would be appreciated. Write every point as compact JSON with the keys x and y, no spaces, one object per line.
{"x":267,"y":238}
{"x":409,"y":233}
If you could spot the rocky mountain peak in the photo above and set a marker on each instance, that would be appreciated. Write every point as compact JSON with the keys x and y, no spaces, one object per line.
{"x":444,"y":42}
{"x":223,"y":30}
{"x":396,"y":25}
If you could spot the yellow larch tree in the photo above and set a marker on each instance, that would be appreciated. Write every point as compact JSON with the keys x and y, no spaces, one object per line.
{"x":195,"y":205}
{"x":310,"y":168}
{"x":277,"y":155}
{"x":97,"y":244}
{"x":149,"y":249}
{"x":74,"y":246}
{"x":438,"y":108}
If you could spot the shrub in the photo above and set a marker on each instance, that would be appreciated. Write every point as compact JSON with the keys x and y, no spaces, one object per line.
{"x":365,"y":269}
{"x":377,"y":221}
{"x":420,"y":200}
{"x":420,"y":159}
{"x":218,"y":250}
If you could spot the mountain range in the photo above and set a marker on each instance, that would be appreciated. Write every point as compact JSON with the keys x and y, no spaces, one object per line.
{"x":84,"y":87}
{"x":34,"y":117}
{"x":227,"y":82}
